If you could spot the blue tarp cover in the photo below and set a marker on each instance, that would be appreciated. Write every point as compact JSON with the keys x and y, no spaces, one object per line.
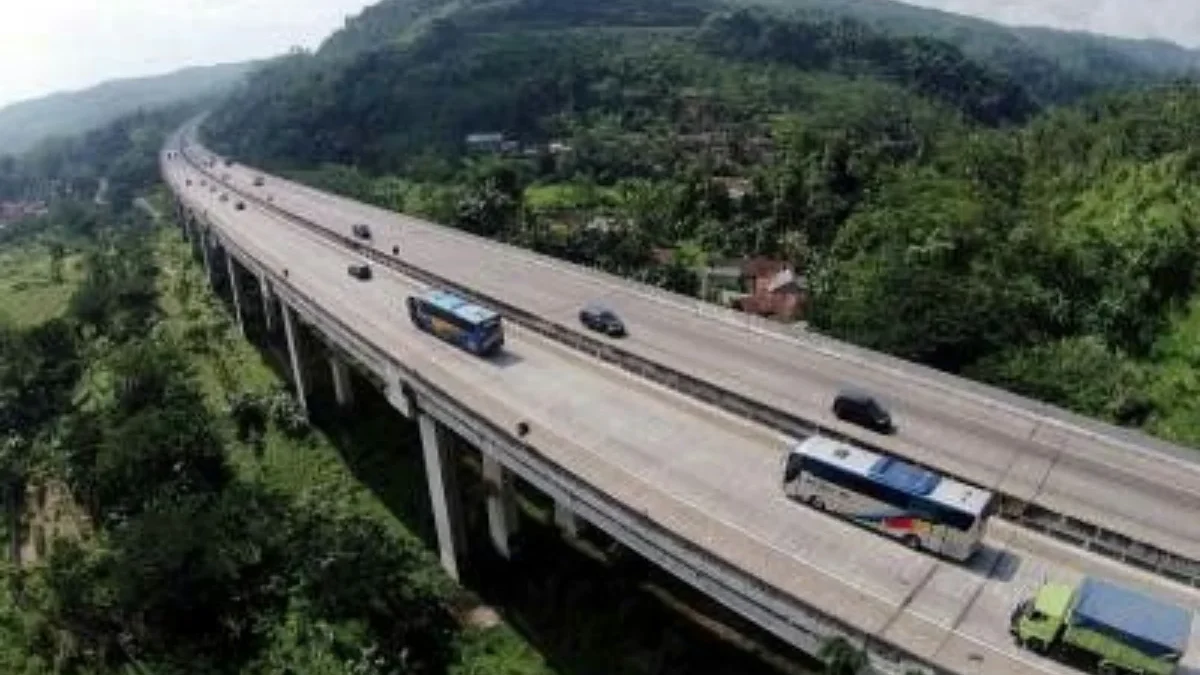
{"x":1152,"y":626}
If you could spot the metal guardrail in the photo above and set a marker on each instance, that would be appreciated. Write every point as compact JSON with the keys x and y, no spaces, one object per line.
{"x":1090,"y":536}
{"x":788,"y":617}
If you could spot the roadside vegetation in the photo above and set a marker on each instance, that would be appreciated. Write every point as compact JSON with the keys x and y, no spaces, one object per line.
{"x":169,"y":511}
{"x":1028,"y":222}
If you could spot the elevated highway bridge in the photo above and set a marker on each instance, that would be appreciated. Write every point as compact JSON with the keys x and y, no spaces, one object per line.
{"x":671,"y":441}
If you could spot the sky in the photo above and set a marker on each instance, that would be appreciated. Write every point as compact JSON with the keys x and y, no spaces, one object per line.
{"x":55,"y":45}
{"x":1174,"y":20}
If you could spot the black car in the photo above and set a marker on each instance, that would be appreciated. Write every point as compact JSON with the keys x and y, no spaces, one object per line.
{"x":862,"y":409}
{"x":361,"y":231}
{"x":360,"y":271}
{"x":240,"y":206}
{"x":602,"y":319}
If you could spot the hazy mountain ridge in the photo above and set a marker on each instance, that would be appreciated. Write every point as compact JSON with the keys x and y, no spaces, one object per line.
{"x":26,"y":123}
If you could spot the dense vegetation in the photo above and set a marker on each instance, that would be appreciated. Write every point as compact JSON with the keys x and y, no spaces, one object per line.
{"x":170,"y":510}
{"x":25,"y":124}
{"x":178,"y":564}
{"x":983,"y":205}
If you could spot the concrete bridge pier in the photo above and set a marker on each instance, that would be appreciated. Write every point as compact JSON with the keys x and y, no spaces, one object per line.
{"x":566,"y":520}
{"x":294,"y":346}
{"x":343,"y":389}
{"x":443,"y":492}
{"x":503,"y":517}
{"x":205,"y":250}
{"x":235,"y":286}
{"x":268,"y":301}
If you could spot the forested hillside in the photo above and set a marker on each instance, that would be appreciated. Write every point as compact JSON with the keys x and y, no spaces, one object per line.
{"x":23,"y":125}
{"x":123,"y":153}
{"x":1015,"y":205}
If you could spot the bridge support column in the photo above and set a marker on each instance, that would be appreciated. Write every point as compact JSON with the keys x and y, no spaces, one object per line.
{"x":268,"y":303}
{"x":343,"y":391}
{"x":236,"y":287}
{"x":501,"y":505}
{"x":293,"y":342}
{"x":205,"y":245}
{"x":565,"y":519}
{"x":443,"y":493}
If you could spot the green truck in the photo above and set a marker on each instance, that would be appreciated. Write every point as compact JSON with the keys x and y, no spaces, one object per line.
{"x":1107,"y":627}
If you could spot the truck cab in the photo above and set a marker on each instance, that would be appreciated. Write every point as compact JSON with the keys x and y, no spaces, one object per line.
{"x":1037,"y":623}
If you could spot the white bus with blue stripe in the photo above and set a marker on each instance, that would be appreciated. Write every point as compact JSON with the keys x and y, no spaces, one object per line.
{"x":921,"y":508}
{"x":457,"y":321}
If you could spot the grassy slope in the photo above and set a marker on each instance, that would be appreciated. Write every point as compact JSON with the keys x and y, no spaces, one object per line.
{"x":28,"y":294}
{"x":316,"y":469}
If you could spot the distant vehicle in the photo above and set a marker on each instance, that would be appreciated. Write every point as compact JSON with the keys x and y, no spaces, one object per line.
{"x":922,"y":509}
{"x":862,"y":409}
{"x":229,"y":162}
{"x":361,"y":231}
{"x":600,"y":318}
{"x":240,"y":206}
{"x":258,"y":181}
{"x":224,"y":197}
{"x":360,"y":271}
{"x":189,"y":182}
{"x":1118,"y":629}
{"x":458,"y":321}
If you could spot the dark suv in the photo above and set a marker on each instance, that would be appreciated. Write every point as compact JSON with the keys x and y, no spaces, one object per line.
{"x":359,"y":271}
{"x":862,"y":409}
{"x":361,"y":231}
{"x":600,"y":318}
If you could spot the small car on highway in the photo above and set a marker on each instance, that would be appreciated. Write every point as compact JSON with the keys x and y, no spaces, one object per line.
{"x":359,"y":271}
{"x":240,"y":206}
{"x":224,"y":197}
{"x":858,"y":407}
{"x":361,"y":231}
{"x":258,"y":181}
{"x":597,"y":317}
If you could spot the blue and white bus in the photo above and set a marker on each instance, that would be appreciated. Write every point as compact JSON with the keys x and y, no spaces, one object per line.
{"x":921,"y":508}
{"x":457,"y":321}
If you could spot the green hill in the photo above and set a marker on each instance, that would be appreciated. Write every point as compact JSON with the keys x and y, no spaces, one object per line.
{"x":24,"y":124}
{"x":1015,"y":204}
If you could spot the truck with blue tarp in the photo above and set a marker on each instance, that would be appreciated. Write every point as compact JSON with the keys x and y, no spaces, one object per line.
{"x":1108,"y":627}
